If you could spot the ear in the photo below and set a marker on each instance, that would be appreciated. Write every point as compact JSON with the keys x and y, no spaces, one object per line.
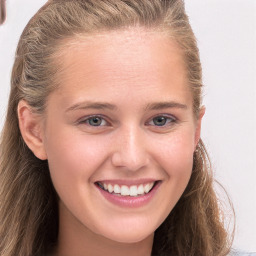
{"x":198,"y":126}
{"x":31,"y":128}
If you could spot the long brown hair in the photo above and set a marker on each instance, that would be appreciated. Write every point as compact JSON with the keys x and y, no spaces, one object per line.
{"x":29,"y":207}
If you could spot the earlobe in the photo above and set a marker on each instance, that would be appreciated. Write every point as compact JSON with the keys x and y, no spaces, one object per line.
{"x":198,"y":126}
{"x":31,"y":129}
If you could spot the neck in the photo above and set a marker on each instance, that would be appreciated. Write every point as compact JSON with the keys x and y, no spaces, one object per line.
{"x":91,"y":247}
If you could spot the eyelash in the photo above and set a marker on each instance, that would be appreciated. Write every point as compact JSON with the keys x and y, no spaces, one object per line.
{"x":169,"y":120}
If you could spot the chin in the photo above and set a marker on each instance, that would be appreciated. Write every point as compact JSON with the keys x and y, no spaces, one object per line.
{"x":129,"y":238}
{"x":128,"y":235}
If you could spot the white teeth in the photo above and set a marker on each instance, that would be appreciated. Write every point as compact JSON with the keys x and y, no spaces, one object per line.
{"x":147,"y":187}
{"x":124,"y":190}
{"x":140,"y":190}
{"x":133,"y":191}
{"x":117,"y":189}
{"x":110,"y":188}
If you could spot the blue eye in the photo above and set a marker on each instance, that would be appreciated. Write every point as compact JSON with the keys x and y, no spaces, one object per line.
{"x":95,"y":121}
{"x":159,"y":120}
{"x":162,"y":121}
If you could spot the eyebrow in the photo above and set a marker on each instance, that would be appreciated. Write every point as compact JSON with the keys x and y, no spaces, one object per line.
{"x":163,"y":105}
{"x":92,"y":105}
{"x":103,"y":105}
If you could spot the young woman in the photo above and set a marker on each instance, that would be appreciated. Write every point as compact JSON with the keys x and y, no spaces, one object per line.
{"x":101,"y":150}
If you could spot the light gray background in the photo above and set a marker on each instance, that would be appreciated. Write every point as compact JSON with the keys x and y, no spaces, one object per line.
{"x":225,"y":30}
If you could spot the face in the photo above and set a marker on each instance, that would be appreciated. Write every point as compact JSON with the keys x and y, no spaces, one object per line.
{"x":119,"y":134}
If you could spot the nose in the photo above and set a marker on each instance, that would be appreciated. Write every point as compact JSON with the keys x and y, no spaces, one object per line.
{"x":130,"y":151}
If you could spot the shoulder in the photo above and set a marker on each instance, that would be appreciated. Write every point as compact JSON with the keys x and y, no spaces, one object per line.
{"x":242,"y":253}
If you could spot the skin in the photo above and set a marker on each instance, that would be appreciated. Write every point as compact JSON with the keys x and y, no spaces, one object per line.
{"x":136,"y":72}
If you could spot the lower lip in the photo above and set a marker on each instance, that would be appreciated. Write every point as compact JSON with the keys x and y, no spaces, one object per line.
{"x":130,"y":201}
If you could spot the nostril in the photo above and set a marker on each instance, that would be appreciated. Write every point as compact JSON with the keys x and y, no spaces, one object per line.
{"x":130,"y":150}
{"x":129,"y":161}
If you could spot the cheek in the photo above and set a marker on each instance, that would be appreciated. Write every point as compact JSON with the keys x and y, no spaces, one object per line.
{"x":72,"y":164}
{"x":176,"y":154}
{"x":71,"y":153}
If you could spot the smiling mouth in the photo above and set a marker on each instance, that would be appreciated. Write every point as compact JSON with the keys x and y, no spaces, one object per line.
{"x":124,"y":190}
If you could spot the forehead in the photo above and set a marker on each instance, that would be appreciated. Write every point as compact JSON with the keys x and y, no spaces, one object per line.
{"x":128,"y":60}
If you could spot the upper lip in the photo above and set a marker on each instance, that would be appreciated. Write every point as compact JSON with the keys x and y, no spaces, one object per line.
{"x":127,"y":182}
